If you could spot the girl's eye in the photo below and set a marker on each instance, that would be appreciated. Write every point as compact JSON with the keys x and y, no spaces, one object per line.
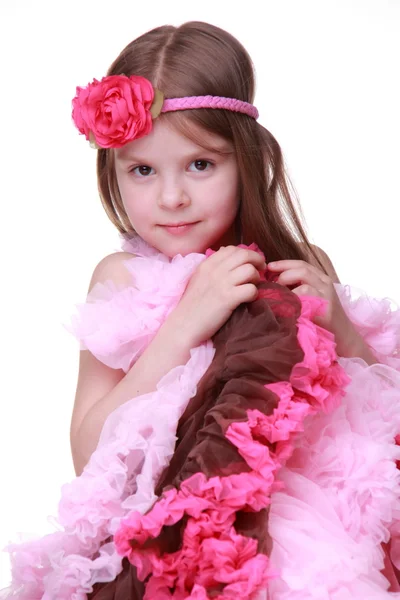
{"x":200,"y":165}
{"x":142,"y":171}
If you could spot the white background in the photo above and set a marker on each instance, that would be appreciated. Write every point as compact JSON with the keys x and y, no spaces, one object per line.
{"x":328,"y":74}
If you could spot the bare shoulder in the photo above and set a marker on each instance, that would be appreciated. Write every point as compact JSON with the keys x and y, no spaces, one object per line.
{"x":112,"y":267}
{"x":326,"y":261}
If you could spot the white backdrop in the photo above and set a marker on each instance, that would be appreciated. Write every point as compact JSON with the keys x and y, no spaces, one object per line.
{"x":328,"y":89}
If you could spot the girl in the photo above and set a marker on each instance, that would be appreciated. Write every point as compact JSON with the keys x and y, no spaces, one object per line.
{"x":261,"y":464}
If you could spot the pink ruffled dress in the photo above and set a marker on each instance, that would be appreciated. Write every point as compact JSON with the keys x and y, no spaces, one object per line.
{"x":326,"y":471}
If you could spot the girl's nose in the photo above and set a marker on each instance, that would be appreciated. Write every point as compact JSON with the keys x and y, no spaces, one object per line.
{"x":173,"y":196}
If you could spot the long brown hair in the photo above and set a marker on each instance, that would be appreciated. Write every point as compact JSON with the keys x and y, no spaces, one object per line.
{"x":199,"y":59}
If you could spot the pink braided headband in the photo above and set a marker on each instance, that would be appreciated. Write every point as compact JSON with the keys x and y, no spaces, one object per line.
{"x":119,"y":109}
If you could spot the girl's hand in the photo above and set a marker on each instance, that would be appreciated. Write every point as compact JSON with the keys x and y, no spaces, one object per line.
{"x":314,"y":282}
{"x":220,"y":283}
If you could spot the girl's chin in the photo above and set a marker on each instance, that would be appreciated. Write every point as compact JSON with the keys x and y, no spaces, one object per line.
{"x":184,"y":251}
{"x":183,"y":247}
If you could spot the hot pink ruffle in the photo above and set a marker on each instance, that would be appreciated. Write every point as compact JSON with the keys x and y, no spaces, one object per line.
{"x":209,"y":539}
{"x":341,"y":496}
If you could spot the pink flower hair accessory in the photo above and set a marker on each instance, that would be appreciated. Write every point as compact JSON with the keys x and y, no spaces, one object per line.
{"x":119,"y":109}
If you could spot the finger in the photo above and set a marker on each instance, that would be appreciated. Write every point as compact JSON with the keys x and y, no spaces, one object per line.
{"x":302,"y":275}
{"x":246,"y":273}
{"x":243,"y":256}
{"x":307,"y":290}
{"x":285,"y":265}
{"x":218,"y":259}
{"x":222,"y":253}
{"x":245,"y":293}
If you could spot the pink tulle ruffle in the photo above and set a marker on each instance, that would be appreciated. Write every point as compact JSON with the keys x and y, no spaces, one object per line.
{"x":121,"y":475}
{"x":117,"y":323}
{"x":341,"y":495}
{"x":377,"y":320}
{"x":134,"y":448}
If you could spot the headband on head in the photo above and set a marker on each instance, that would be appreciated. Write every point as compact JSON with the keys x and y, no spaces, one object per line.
{"x":119,"y":109}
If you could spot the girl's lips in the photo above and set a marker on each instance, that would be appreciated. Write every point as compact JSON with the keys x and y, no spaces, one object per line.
{"x":180,"y":228}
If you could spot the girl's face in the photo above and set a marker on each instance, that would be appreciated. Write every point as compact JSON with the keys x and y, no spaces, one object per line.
{"x":179,"y":197}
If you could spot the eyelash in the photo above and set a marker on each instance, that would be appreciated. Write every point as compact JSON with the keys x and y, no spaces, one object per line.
{"x":199,"y":160}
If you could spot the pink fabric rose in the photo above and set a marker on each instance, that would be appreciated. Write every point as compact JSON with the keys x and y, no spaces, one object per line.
{"x":115,"y":110}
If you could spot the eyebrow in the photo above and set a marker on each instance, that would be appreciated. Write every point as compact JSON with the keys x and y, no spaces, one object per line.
{"x":126,"y":156}
{"x":131,"y":158}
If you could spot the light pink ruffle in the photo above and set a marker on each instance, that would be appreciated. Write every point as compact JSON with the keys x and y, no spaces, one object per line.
{"x":341,"y":496}
{"x":377,"y":320}
{"x":134,"y":448}
{"x":116,"y":323}
{"x":121,"y":475}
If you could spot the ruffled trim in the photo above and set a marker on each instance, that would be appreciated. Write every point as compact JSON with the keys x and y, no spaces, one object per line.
{"x":64,"y":565}
{"x":130,"y":242}
{"x":212,"y":555}
{"x":133,"y":450}
{"x":377,"y":320}
{"x":342,"y":485}
{"x":117,"y":323}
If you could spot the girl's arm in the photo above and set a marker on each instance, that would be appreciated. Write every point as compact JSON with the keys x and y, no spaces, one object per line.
{"x":168,"y":349}
{"x":218,"y":285}
{"x":355,"y":345}
{"x":101,"y":389}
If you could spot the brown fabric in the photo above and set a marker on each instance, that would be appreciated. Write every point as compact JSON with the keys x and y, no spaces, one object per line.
{"x":257,"y":346}
{"x":126,"y":586}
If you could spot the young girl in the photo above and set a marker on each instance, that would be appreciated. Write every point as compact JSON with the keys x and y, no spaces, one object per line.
{"x":235,"y":420}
